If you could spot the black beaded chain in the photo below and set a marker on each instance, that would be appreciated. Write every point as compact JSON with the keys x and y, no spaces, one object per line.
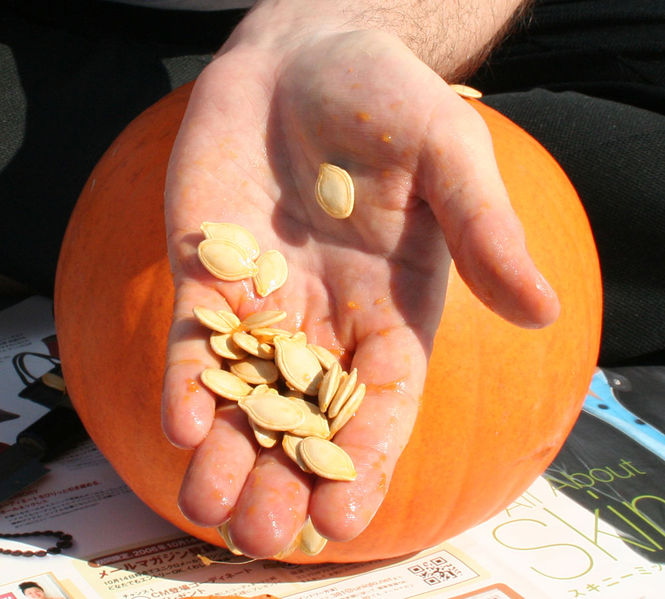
{"x":64,"y":542}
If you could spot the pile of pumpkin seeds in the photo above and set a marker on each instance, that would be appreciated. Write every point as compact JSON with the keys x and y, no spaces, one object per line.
{"x":230,"y":252}
{"x":294,"y":393}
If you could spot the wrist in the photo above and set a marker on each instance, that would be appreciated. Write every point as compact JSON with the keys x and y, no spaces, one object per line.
{"x":452,"y":37}
{"x":278,"y":26}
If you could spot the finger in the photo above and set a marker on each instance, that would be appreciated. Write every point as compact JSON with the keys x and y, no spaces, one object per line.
{"x":188,"y":407}
{"x":272,"y":507}
{"x":393,"y":366}
{"x":219,"y":467}
{"x":463,"y":186}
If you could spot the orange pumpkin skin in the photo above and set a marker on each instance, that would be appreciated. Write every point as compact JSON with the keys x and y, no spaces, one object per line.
{"x":498,"y":402}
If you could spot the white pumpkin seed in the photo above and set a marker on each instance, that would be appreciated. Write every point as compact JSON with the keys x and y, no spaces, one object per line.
{"x":223,"y":530}
{"x":263,"y":388}
{"x":290,"y":447}
{"x":465,"y":91}
{"x":229,"y":318}
{"x":329,"y":386}
{"x":272,"y":272}
{"x":293,"y":393}
{"x":347,"y":411}
{"x":265,"y":438}
{"x":334,"y":191}
{"x":220,"y":320}
{"x":54,"y":381}
{"x":274,"y":412}
{"x":255,"y":370}
{"x":315,"y":423}
{"x":224,"y":345}
{"x":326,"y":459}
{"x":346,"y":387}
{"x":299,"y":366}
{"x":312,"y":541}
{"x":288,"y":550}
{"x":234,"y":233}
{"x":299,"y":337}
{"x":325,"y":356}
{"x":253,"y":346}
{"x":259,"y":320}
{"x":225,"y":384}
{"x":268,"y":334}
{"x":226,"y":260}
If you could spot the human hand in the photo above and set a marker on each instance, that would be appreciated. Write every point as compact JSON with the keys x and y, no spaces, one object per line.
{"x":258,"y":125}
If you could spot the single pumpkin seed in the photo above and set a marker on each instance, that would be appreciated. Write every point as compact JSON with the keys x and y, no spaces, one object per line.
{"x":223,"y":530}
{"x":272,"y":272}
{"x":465,"y":91}
{"x":315,"y":423}
{"x":230,"y":318}
{"x":325,"y":356}
{"x":220,"y":320}
{"x":290,"y":447}
{"x":299,"y":337}
{"x":263,"y":388}
{"x":293,"y":393}
{"x":299,"y":366}
{"x":265,"y":438}
{"x":224,"y":345}
{"x":234,"y":233}
{"x":255,"y":370}
{"x":226,"y":260}
{"x":347,"y":411}
{"x":259,"y":320}
{"x":346,"y":387}
{"x":326,"y":459}
{"x":53,"y":381}
{"x":329,"y":386}
{"x":274,"y":412}
{"x":288,"y":550}
{"x":225,"y":384}
{"x":334,"y":191}
{"x":312,"y":541}
{"x":253,"y":346}
{"x":268,"y":334}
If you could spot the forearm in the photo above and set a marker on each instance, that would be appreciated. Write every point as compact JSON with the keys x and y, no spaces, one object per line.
{"x":453,"y":37}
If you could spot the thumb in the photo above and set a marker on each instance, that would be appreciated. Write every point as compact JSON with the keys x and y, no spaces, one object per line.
{"x":463,"y":186}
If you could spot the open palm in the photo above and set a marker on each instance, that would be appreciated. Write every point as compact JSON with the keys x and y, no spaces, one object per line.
{"x":257,"y":127}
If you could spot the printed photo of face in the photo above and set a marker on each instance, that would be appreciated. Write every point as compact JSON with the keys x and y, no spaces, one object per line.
{"x":34,"y":592}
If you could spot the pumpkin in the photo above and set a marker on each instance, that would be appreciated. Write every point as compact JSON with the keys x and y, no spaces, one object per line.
{"x":498,"y":401}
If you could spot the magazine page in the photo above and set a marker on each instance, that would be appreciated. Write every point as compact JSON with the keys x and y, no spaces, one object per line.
{"x":27,"y":352}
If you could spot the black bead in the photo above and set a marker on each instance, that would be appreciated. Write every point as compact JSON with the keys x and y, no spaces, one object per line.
{"x":64,"y":541}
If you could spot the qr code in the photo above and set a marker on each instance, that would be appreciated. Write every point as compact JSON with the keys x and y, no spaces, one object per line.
{"x":436,"y":571}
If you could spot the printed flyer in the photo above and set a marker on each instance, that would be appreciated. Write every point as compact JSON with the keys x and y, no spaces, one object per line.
{"x":593,"y":526}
